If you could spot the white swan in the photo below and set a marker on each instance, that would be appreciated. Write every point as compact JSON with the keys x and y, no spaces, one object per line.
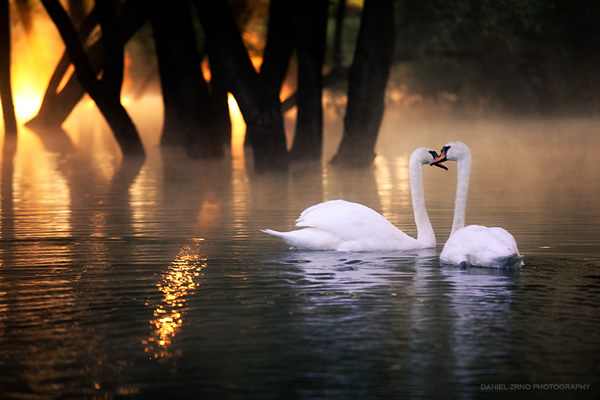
{"x":473,"y":245}
{"x":344,"y":226}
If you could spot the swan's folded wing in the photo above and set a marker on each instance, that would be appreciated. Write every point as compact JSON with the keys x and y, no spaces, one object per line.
{"x":324,"y":207}
{"x":348,"y":221}
{"x":505,"y":238}
{"x":479,"y":245}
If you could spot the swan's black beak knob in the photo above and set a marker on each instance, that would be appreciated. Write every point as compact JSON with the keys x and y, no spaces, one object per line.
{"x":438,"y":160}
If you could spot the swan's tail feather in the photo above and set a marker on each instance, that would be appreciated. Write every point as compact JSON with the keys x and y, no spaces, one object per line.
{"x":273,"y":233}
{"x":306,"y":238}
{"x":288,"y":237}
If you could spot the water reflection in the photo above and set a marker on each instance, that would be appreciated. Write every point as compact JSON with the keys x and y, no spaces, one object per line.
{"x":7,"y":226}
{"x":354,"y":272}
{"x":177,"y":285}
{"x":53,"y":297}
{"x":480,"y":304}
{"x":193,"y":205}
{"x":457,"y":321}
{"x":106,"y":290}
{"x":9,"y":149}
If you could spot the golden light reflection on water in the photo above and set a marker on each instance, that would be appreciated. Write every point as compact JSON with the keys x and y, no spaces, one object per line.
{"x":384,"y":185}
{"x":34,"y":177}
{"x":177,"y":285}
{"x":144,"y":195}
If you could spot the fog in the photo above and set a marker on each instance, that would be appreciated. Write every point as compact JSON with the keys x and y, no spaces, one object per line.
{"x":130,"y":275}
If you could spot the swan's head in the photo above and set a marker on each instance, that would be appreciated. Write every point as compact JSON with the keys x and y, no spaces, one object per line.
{"x":452,"y":151}
{"x":422,"y":155}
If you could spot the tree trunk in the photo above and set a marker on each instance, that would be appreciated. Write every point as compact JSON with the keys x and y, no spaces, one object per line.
{"x":338,"y":50}
{"x":56,"y":107}
{"x":278,"y":47}
{"x":262,"y":114}
{"x":53,"y":111}
{"x":220,"y":107}
{"x":366,"y":88}
{"x":8,"y":110}
{"x":310,"y":28}
{"x":276,"y":55}
{"x":113,"y":63}
{"x":104,"y":92}
{"x":77,"y":10}
{"x":185,"y":93}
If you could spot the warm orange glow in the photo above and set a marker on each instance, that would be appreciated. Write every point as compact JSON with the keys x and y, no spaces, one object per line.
{"x":27,"y":102}
{"x":39,"y":185}
{"x":238,"y":127}
{"x":66,"y":77}
{"x":384,"y":184}
{"x":34,"y":56}
{"x":205,"y":69}
{"x":210,"y":212}
{"x":126,"y":100}
{"x":178,"y":283}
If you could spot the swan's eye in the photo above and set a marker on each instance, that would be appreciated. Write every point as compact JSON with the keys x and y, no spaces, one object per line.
{"x":433,"y":153}
{"x":445,"y":149}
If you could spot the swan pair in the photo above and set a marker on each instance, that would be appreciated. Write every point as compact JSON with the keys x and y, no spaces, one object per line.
{"x":345,"y":226}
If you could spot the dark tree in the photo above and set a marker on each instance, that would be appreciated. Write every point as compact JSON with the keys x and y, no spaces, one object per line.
{"x":196,"y":111}
{"x":261,"y":110}
{"x":184,"y":91}
{"x":53,"y":112}
{"x":105,"y":92}
{"x":196,"y":114}
{"x":303,"y":29}
{"x":220,"y":107}
{"x":57,"y":105}
{"x":366,"y":87}
{"x":310,"y":27}
{"x":8,"y":110}
{"x":277,"y":53}
{"x":76,"y":9}
{"x":278,"y":47}
{"x":340,"y":15}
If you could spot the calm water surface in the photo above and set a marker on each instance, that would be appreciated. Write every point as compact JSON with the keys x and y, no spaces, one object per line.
{"x":153,"y":280}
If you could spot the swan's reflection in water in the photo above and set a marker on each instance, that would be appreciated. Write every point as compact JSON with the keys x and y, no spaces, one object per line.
{"x":99,"y":277}
{"x":355,"y":271}
{"x":406,"y":318}
{"x":454,"y":333}
{"x":479,"y":307}
{"x":178,"y":283}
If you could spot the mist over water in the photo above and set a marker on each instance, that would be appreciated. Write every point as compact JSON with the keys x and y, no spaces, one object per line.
{"x":126,"y":279}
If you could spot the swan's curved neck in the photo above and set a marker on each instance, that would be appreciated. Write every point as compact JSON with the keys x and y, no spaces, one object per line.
{"x":462,"y":192}
{"x":425,"y":233}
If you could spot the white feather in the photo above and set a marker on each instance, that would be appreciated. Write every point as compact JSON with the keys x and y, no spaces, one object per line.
{"x":345,"y":226}
{"x":477,"y":245}
{"x":474,"y":245}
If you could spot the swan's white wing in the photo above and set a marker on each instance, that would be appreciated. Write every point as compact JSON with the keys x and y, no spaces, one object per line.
{"x":506,"y":238}
{"x":479,"y":245}
{"x":350,"y":222}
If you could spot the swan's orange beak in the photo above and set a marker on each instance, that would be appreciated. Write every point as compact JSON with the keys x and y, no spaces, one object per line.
{"x":438,"y":160}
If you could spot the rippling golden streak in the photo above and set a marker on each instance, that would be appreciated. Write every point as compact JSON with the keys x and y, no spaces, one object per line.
{"x":384,"y":185}
{"x":178,"y":283}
